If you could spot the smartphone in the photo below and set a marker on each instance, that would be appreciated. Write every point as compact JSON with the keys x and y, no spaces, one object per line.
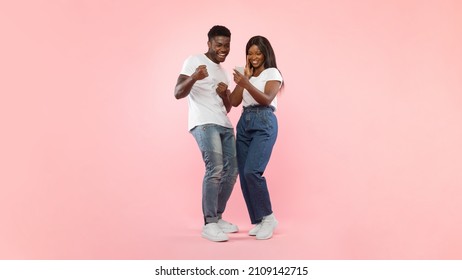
{"x":240,"y":69}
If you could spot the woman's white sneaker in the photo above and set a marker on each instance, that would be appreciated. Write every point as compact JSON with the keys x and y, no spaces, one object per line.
{"x":268,"y":224}
{"x":213,"y":232}
{"x":255,"y":229}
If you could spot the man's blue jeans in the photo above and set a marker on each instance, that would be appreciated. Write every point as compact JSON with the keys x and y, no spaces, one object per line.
{"x":218,"y":148}
{"x":257,"y":131}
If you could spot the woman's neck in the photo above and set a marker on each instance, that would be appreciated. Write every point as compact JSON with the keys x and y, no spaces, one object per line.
{"x":257,"y":72}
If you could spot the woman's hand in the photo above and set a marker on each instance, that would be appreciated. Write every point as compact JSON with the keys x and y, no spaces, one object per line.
{"x":248,"y":71}
{"x":240,"y":80}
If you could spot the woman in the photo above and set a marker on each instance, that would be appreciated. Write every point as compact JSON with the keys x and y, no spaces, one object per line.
{"x":257,"y":130}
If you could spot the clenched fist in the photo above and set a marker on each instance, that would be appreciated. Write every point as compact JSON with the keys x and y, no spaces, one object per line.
{"x":222,"y":89}
{"x":200,"y":73}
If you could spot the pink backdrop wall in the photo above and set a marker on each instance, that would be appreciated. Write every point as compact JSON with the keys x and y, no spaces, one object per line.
{"x":96,"y":161}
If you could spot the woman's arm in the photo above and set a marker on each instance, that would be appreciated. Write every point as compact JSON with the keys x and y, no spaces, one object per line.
{"x":263,"y":98}
{"x":266,"y":97}
{"x":236,"y":96}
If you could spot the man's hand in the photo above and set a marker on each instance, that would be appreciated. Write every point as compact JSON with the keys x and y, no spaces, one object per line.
{"x":222,"y":90}
{"x":200,"y":73}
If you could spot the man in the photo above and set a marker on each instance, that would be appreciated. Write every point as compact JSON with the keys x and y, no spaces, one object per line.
{"x":205,"y":83}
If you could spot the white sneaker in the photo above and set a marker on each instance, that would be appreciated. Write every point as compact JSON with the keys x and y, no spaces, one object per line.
{"x":213,"y":232}
{"x":268,"y":225}
{"x":227,"y":227}
{"x":255,"y":229}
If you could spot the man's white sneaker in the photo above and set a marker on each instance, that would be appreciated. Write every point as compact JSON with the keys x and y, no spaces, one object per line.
{"x":213,"y":232}
{"x":268,"y":224}
{"x":255,"y":229}
{"x":227,"y":227}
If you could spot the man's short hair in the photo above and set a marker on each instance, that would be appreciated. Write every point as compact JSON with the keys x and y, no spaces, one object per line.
{"x":219,"y":30}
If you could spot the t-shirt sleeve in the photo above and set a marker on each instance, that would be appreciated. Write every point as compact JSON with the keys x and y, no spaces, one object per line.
{"x":189,"y":66}
{"x":274,"y":75}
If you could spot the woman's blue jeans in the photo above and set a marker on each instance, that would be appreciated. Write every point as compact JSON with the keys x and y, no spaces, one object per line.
{"x":218,"y":148}
{"x":257,"y":131}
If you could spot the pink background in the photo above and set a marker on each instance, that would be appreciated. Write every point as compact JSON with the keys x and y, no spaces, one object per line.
{"x":96,"y":161}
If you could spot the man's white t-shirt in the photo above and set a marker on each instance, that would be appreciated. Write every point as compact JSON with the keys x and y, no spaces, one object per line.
{"x":205,"y":105}
{"x":269,"y":74}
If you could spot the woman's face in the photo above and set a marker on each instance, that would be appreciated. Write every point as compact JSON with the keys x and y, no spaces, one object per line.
{"x":255,"y":57}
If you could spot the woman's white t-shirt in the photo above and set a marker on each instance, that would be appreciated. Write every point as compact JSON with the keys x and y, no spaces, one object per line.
{"x":269,"y":74}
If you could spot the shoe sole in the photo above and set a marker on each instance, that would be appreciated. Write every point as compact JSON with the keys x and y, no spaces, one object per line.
{"x":254,"y":233}
{"x":214,"y":239}
{"x":230,"y":230}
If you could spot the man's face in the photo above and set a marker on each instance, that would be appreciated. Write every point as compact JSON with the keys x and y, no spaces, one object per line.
{"x":219,"y":47}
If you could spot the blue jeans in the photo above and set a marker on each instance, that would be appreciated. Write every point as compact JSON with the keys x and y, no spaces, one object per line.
{"x":257,"y":131}
{"x":218,"y":148}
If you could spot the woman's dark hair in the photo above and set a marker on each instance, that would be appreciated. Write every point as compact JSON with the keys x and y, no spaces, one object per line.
{"x":218,"y":30}
{"x":265,"y":47}
{"x":267,"y":50}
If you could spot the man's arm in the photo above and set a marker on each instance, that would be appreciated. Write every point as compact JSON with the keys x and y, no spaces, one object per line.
{"x":185,"y":83}
{"x":223,"y":92}
{"x":183,"y":86}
